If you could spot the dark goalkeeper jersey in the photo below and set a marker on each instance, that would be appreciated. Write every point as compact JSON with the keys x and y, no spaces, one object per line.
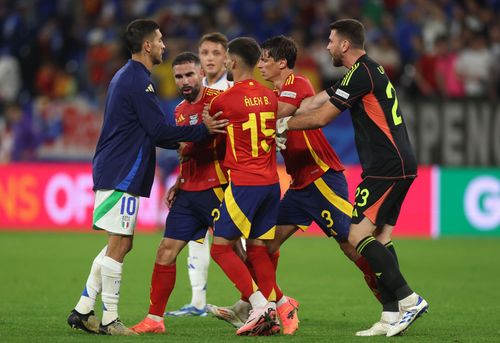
{"x":381,"y":138}
{"x":133,"y":126}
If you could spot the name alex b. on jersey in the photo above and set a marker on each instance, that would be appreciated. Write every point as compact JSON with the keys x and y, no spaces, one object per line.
{"x":256,"y":101}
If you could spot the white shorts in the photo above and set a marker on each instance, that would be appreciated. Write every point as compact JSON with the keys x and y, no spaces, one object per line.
{"x":115,"y":212}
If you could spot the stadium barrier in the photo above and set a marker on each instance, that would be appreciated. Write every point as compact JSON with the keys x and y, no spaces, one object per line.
{"x":454,"y":133}
{"x":59,"y":197}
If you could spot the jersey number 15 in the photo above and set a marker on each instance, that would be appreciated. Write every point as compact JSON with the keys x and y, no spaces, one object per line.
{"x":251,"y":124}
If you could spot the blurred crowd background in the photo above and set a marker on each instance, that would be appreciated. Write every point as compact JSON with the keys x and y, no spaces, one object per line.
{"x":57,"y":57}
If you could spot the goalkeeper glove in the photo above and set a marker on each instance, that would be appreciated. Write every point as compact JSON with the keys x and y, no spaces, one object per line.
{"x":282,"y":125}
{"x":280,"y":142}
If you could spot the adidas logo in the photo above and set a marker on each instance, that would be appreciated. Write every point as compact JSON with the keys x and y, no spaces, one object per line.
{"x":150,"y":88}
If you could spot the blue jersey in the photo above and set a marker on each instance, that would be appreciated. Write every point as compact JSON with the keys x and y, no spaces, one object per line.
{"x":133,"y":126}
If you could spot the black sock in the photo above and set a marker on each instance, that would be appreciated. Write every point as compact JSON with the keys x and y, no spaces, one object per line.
{"x":388,"y":299}
{"x":384,"y":266}
{"x":390,"y":246}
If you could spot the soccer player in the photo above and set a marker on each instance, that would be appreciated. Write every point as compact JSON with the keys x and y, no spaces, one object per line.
{"x":388,"y":162}
{"x":123,"y":170}
{"x":212,"y":53}
{"x":212,"y":49}
{"x":318,"y":191}
{"x":196,"y":196}
{"x":250,"y":204}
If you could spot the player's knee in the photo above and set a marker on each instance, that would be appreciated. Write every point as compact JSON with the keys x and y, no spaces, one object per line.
{"x":354,"y":239}
{"x":383,"y":234}
{"x":126,"y":246}
{"x":165,"y":256}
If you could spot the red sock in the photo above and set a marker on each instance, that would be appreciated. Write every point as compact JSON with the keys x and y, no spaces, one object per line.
{"x":264,"y":270}
{"x":252,"y":273}
{"x":250,"y":269}
{"x":369,"y":275}
{"x":274,"y":260}
{"x":162,"y":284}
{"x":234,"y":268}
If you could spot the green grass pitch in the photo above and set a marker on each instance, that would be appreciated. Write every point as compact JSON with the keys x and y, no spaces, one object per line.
{"x":42,"y":275}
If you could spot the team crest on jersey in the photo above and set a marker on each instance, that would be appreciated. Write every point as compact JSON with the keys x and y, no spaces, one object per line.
{"x":125,"y":222}
{"x":288,"y":94}
{"x":193,"y":119}
{"x":150,"y":88}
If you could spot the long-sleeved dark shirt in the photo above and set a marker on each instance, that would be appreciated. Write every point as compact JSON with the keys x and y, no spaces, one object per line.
{"x":133,"y":126}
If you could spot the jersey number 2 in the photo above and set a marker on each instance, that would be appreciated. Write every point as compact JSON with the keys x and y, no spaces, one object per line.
{"x":390,"y":91}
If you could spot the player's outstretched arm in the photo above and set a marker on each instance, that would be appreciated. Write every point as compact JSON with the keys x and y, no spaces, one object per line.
{"x":313,"y":103}
{"x":285,"y":109}
{"x":153,"y":122}
{"x":312,"y":120}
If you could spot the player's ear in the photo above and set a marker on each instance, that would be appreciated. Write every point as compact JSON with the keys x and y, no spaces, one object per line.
{"x":345,"y":45}
{"x":283,"y":63}
{"x":146,"y":46}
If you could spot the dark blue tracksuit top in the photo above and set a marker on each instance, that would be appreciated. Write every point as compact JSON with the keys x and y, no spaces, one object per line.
{"x":133,"y":126}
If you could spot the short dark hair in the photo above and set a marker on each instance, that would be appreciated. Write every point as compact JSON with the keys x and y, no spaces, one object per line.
{"x":281,"y":47}
{"x":246,"y":48}
{"x":214,"y":37}
{"x":136,"y":33}
{"x":352,"y":30}
{"x":186,"y":57}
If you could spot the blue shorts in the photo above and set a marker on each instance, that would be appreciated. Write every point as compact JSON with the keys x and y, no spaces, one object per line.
{"x":192,"y":213}
{"x":323,"y":201}
{"x":248,"y":211}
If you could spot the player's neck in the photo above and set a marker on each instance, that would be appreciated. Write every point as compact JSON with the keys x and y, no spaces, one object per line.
{"x":242,"y":75}
{"x":144,"y":59}
{"x":280,"y":81}
{"x":212,"y":79}
{"x":351,"y":58}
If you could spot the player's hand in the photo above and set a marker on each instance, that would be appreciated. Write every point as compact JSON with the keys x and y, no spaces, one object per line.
{"x":182,"y":145}
{"x":282,"y":125}
{"x":183,"y":157}
{"x":171,"y":194}
{"x":281,"y":142}
{"x":213,"y":125}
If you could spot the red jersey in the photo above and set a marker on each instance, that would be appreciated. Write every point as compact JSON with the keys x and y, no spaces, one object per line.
{"x":202,"y":167}
{"x":308,"y":154}
{"x":250,"y":147}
